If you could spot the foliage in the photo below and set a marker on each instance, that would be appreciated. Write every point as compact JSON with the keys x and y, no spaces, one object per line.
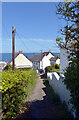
{"x":57,"y":66}
{"x":25,"y":69}
{"x":69,"y":12}
{"x":8,"y":67}
{"x":51,"y":69}
{"x":72,"y":82}
{"x":48,"y":69}
{"x":15,"y":88}
{"x":54,"y":68}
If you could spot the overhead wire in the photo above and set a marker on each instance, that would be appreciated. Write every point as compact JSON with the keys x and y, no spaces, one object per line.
{"x":37,"y":43}
{"x":22,"y":41}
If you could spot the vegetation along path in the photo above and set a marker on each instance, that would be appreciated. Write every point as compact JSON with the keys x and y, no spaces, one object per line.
{"x":41,"y":105}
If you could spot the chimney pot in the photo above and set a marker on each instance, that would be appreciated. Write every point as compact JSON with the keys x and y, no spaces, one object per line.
{"x":20,"y":52}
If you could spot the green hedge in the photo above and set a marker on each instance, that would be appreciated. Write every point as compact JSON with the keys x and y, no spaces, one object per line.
{"x":57,"y":66}
{"x":8,"y":67}
{"x":15,"y":88}
{"x":48,"y":69}
{"x":52,"y":68}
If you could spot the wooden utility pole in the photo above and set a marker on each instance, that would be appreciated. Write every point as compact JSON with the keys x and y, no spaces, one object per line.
{"x":13,"y":48}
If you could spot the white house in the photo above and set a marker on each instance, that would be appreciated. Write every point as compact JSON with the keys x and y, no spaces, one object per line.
{"x":57,"y":61}
{"x":64,"y":53}
{"x":49,"y":54}
{"x":43,"y":60}
{"x":54,"y":60}
{"x":22,"y":62}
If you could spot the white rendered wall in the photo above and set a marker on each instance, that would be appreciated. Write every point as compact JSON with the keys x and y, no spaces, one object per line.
{"x":63,"y":59}
{"x":49,"y":55}
{"x":45,"y":62}
{"x":22,"y":61}
{"x":41,"y":64}
{"x":58,"y":61}
{"x":56,"y":82}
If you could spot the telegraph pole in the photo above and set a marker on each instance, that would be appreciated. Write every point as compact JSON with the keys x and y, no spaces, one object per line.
{"x":13,"y":48}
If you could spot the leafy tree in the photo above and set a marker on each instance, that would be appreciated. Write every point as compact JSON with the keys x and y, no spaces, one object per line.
{"x":69,"y":11}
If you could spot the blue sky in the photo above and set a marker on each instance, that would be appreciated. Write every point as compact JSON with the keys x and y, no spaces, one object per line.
{"x":36,"y":24}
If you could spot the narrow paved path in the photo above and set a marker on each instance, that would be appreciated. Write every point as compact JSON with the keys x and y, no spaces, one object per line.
{"x":40,"y":106}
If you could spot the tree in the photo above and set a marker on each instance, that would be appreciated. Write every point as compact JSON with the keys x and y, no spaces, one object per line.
{"x":69,"y":11}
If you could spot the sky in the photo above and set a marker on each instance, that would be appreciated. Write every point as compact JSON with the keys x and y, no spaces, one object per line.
{"x":36,"y":23}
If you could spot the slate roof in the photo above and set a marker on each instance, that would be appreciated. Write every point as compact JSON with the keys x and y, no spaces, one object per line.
{"x":36,"y":58}
{"x":46,"y":53}
{"x":53,"y":59}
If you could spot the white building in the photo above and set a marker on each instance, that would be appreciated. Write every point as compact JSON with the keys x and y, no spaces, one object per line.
{"x":22,"y":62}
{"x":43,"y":60}
{"x":64,"y":53}
{"x":55,"y":60}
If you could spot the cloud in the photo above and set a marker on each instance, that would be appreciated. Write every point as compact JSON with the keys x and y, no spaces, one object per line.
{"x":32,"y":39}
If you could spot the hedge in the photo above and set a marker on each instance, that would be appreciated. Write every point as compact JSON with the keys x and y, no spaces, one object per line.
{"x":57,"y":66}
{"x":15,"y":89}
{"x":50,"y":68}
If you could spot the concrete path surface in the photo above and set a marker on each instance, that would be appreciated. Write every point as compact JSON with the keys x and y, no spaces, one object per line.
{"x":40,"y":106}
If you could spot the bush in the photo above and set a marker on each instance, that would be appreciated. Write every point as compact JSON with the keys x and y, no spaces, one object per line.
{"x":15,"y":87}
{"x":8,"y":67}
{"x":48,"y":69}
{"x":25,"y":69}
{"x":57,"y":66}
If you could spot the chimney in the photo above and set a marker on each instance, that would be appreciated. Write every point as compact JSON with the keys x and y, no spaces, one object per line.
{"x":44,"y":54}
{"x":49,"y":51}
{"x":20,"y":52}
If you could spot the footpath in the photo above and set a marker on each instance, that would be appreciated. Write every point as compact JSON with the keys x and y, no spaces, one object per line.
{"x":39,"y":102}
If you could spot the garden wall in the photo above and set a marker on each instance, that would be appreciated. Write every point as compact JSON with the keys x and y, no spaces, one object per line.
{"x":59,"y":87}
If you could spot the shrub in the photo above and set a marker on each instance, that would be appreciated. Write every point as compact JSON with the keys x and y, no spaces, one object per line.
{"x":15,"y":87}
{"x":8,"y":67}
{"x":25,"y":69}
{"x":48,"y":69}
{"x":57,"y":66}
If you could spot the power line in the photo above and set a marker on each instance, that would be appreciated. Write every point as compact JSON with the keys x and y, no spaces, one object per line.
{"x":36,"y":43}
{"x":22,"y":41}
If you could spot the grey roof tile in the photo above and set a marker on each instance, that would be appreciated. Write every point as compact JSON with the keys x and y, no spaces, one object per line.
{"x":53,"y":59}
{"x":36,"y":58}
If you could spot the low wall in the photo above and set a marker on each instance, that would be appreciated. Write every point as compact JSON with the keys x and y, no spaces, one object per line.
{"x":59,"y":87}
